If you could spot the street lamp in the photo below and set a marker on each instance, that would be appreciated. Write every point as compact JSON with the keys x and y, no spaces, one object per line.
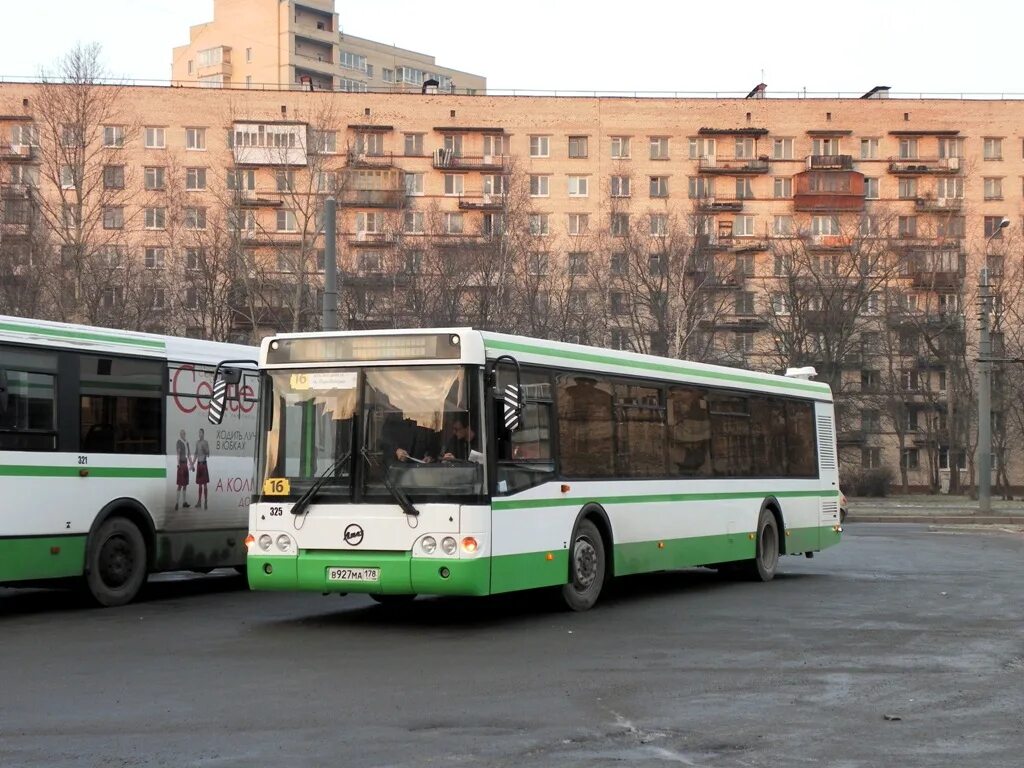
{"x":983,"y":458}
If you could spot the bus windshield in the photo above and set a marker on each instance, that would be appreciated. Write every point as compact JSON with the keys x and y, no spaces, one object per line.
{"x":416,"y":428}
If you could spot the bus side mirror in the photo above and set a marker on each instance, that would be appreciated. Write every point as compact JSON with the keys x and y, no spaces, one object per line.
{"x":512,"y":400}
{"x":222,"y":378}
{"x":3,"y":391}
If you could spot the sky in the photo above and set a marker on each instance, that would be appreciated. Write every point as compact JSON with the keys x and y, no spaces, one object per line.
{"x":914,"y":46}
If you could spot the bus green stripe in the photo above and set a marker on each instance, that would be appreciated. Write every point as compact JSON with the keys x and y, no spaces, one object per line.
{"x":657,"y":498}
{"x":591,"y":357}
{"x":41,"y":557}
{"x":31,"y":470}
{"x":61,"y":333}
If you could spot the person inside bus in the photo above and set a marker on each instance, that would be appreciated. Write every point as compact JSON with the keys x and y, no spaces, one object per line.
{"x":403,"y":441}
{"x":460,"y":444}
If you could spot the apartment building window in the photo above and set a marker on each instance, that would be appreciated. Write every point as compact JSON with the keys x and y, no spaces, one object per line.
{"x":539,"y":185}
{"x":871,"y":458}
{"x":992,"y":149}
{"x":620,"y":147}
{"x":154,"y":138}
{"x":744,"y":148}
{"x":195,"y":218}
{"x":414,"y":145}
{"x":539,"y":224}
{"x":327,"y":181}
{"x":387,"y":75}
{"x":286,"y":221}
{"x":155,"y":178}
{"x":782,"y":149}
{"x":495,"y":184}
{"x":454,"y":183}
{"x":825,"y":225}
{"x":238,"y":179}
{"x":659,"y":148}
{"x":113,"y":136}
{"x":658,"y":225}
{"x":744,"y":188}
{"x":67,"y":177}
{"x":25,"y":135}
{"x":155,"y":218}
{"x":579,"y":223}
{"x":540,"y":146}
{"x":951,"y":226}
{"x":908,"y":149}
{"x":414,"y":262}
{"x":745,"y":264}
{"x":371,"y":143}
{"x":248,"y":55}
{"x":537,"y":264}
{"x":578,"y":186}
{"x":72,"y":136}
{"x":620,"y":186}
{"x":869,"y":149}
{"x":195,"y":179}
{"x":620,"y":224}
{"x":949,"y":187}
{"x":414,"y":184}
{"x":495,"y":145}
{"x":578,"y":263}
{"x":154,"y":257}
{"x":743,"y":226}
{"x":351,"y":60}
{"x":659,"y":186}
{"x":743,"y":303}
{"x":783,"y":186}
{"x":780,"y":304}
{"x":577,"y":146}
{"x":453,"y":143}
{"x":907,"y":189}
{"x":869,"y":380}
{"x":910,"y":458}
{"x":992,"y":228}
{"x":782,"y":226}
{"x":195,"y":138}
{"x":700,"y":187}
{"x":369,"y":262}
{"x":828,"y":146}
{"x":284,"y":180}
{"x":413,"y":222}
{"x":453,"y":223}
{"x":993,"y":188}
{"x":25,"y":174}
{"x":113,"y":217}
{"x":906,"y":226}
{"x":701,"y":148}
{"x":869,"y":225}
{"x":325,"y":142}
{"x":951,"y":147}
{"x":619,"y":264}
{"x":743,"y":342}
{"x":194,"y":257}
{"x":367,"y":222}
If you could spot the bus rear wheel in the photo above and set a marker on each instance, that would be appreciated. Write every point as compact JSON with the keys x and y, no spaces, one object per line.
{"x":766,"y":554}
{"x":116,"y":562}
{"x":586,"y":568}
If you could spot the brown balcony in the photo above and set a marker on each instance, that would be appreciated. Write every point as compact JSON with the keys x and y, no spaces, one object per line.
{"x":829,"y":162}
{"x":372,"y":198}
{"x":909,"y":167}
{"x":824,"y":191}
{"x":445,"y":159}
{"x":735,"y":166}
{"x":713,"y":205}
{"x":938,"y":204}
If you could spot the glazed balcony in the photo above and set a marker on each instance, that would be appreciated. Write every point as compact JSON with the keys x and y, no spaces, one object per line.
{"x":824,"y":191}
{"x":372,"y":198}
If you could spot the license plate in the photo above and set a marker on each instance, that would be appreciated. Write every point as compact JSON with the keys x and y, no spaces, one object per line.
{"x":353,"y":574}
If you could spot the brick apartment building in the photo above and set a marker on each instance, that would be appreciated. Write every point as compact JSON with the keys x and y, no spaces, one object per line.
{"x":761,"y":232}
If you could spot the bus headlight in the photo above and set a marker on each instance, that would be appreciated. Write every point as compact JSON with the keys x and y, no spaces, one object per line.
{"x":265,"y":542}
{"x":429,"y":544}
{"x":449,"y":545}
{"x":284,"y":543}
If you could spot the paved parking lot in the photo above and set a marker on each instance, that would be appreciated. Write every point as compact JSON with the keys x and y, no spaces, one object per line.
{"x":902,"y":646}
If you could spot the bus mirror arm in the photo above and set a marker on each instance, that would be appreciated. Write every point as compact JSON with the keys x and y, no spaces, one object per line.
{"x":3,"y":390}
{"x":225,"y":375}
{"x":511,"y":396}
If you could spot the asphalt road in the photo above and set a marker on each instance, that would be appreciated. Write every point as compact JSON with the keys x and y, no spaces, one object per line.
{"x":687,"y":668}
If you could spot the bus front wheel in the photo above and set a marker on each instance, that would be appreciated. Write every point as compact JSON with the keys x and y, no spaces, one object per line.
{"x":766,"y":554}
{"x":586,"y":568}
{"x":116,"y":562}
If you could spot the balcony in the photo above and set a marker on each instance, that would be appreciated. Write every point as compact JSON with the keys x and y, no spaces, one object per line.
{"x":735,"y":166}
{"x":315,"y":22}
{"x":269,"y":144}
{"x":829,"y":162}
{"x":938,"y":204}
{"x":250,"y":198}
{"x":372,"y":239}
{"x":851,"y":437}
{"x":317,"y":53}
{"x":16,"y":152}
{"x":372,"y":198}
{"x":827,"y":242}
{"x":711,"y":205}
{"x":482,"y":203}
{"x":825,"y":191}
{"x":909,"y":167}
{"x":446,"y":159}
{"x":356,"y":159}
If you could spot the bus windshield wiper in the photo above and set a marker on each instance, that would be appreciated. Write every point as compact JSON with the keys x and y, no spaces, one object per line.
{"x":305,"y":499}
{"x":397,"y":493}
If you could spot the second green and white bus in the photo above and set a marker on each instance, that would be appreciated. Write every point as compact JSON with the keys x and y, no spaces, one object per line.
{"x":109,"y":468}
{"x":460,"y":462}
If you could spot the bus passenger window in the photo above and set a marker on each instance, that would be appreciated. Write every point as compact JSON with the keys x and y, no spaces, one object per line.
{"x":28,"y":418}
{"x":585,"y":426}
{"x":120,"y":405}
{"x":689,"y":429}
{"x":524,"y":456}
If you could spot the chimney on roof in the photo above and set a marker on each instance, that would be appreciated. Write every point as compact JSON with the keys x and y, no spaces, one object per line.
{"x":758,"y":92}
{"x":878,"y":92}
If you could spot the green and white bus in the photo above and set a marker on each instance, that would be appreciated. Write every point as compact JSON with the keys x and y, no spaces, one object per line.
{"x":460,"y":462}
{"x":109,"y":468}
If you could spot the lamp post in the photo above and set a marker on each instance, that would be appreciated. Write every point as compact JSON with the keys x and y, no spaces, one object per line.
{"x":984,"y":451}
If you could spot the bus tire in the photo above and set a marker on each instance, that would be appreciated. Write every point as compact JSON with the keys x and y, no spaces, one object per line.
{"x":116,"y":564}
{"x":587,"y":567}
{"x":392,"y":599}
{"x":766,"y":553}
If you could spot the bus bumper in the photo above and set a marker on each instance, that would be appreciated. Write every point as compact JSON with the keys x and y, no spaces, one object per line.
{"x":400,"y":573}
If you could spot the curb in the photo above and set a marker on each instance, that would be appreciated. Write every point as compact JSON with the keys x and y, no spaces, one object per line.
{"x":938,"y":519}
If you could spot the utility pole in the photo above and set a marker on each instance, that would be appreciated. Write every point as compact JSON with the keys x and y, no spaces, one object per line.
{"x":330,"y":308}
{"x":984,"y":450}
